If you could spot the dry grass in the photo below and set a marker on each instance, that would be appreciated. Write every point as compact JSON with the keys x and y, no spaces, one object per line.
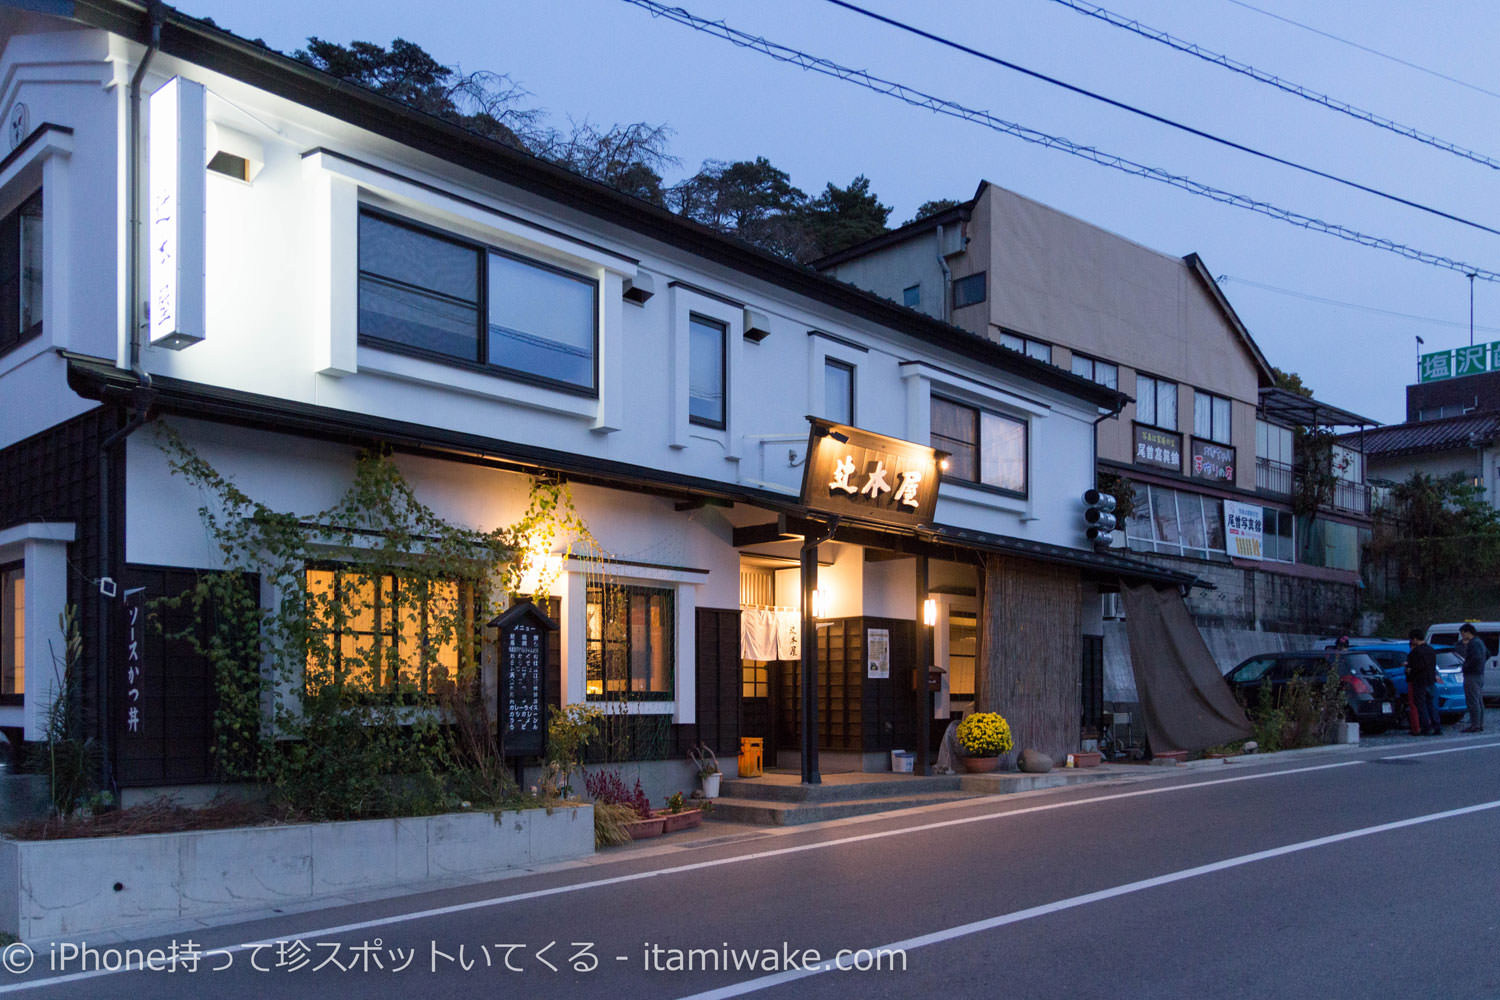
{"x":158,"y":816}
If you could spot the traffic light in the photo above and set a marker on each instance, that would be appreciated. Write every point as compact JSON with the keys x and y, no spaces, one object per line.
{"x":1099,"y":517}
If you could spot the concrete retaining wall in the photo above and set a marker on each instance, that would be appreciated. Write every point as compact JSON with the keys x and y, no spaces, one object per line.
{"x":63,"y":888}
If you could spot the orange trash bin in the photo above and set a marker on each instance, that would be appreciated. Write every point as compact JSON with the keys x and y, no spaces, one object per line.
{"x":752,"y":749}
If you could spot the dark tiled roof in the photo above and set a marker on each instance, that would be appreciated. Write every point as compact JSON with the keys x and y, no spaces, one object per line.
{"x":1419,"y":436}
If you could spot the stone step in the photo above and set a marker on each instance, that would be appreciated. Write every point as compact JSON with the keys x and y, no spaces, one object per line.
{"x":767,"y":812}
{"x":834,"y":789}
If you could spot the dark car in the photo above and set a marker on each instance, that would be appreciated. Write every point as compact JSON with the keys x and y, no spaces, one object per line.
{"x":1391,"y":656}
{"x":1371,"y":698}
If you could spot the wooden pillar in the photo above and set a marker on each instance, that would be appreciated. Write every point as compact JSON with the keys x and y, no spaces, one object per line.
{"x":920,"y":668}
{"x":810,"y":775}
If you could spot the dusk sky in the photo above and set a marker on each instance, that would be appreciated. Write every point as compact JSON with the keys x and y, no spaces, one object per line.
{"x":1432,"y":68}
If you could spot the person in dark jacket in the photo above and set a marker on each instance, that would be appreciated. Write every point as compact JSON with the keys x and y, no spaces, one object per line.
{"x":1421,"y":683}
{"x":1473,"y":650}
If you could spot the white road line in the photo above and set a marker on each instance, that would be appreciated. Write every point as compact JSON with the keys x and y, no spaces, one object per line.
{"x":980,"y":926}
{"x":1434,"y":753}
{"x":479,"y":904}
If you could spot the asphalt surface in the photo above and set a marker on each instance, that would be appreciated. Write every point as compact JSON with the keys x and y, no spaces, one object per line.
{"x":1347,"y":872}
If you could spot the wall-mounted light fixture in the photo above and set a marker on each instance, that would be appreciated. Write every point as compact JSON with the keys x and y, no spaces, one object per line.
{"x":821,"y":602}
{"x":929,"y":612}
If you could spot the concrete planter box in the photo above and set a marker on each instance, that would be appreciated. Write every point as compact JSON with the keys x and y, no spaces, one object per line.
{"x":64,"y":888}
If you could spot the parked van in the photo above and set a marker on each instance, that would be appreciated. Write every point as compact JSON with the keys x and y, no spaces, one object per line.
{"x":1447,"y":635}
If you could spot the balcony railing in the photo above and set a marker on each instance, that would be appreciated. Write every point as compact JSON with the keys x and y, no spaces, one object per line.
{"x":1273,"y":477}
{"x":1280,"y":479}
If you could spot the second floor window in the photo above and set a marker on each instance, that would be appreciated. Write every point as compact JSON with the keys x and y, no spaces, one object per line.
{"x":1156,"y":402}
{"x":911,"y":296}
{"x":1211,"y":417}
{"x":706,"y":345}
{"x":1096,"y":371}
{"x":838,"y":391}
{"x":1273,"y":442}
{"x":21,"y":273}
{"x":438,"y":296}
{"x":1041,"y":350}
{"x":984,"y":448}
{"x":968,"y":291}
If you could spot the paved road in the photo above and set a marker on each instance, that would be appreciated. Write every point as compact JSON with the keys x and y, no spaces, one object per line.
{"x":1357,"y":873}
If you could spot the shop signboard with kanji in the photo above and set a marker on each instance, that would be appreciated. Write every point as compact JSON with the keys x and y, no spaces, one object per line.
{"x":856,"y":473}
{"x":1214,"y":462}
{"x":1244,"y":525}
{"x":1160,"y":448}
{"x":525,"y":634}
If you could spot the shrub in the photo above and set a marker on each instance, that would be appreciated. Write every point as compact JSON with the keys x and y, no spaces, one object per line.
{"x":984,"y":734}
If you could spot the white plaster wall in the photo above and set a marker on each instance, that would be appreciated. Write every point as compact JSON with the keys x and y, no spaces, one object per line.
{"x":891,"y":588}
{"x":279,"y":268}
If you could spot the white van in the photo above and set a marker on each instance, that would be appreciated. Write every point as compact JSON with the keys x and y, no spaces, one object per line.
{"x":1447,"y":635}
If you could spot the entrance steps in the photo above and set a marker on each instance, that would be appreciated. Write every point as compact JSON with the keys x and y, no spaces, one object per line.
{"x":778,"y":798}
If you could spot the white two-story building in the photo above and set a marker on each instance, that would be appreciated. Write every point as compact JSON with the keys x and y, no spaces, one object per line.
{"x":286,"y":269}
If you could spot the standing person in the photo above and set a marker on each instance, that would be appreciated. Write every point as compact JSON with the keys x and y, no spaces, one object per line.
{"x":1473,"y":650}
{"x":1421,"y":683}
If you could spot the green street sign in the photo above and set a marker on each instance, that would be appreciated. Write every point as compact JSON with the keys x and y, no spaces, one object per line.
{"x":1435,"y":366}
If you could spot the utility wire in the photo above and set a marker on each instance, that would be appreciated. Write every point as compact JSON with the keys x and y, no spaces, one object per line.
{"x":939,"y":105}
{"x":1296,"y":89}
{"x":1224,"y":279}
{"x":1161,"y":120}
{"x":1364,"y":48}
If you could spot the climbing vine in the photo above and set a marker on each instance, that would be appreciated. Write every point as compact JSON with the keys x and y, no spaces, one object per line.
{"x":345,"y":644}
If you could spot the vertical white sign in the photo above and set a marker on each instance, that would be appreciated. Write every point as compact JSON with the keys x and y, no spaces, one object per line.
{"x":1243,"y":525}
{"x":176,"y":214}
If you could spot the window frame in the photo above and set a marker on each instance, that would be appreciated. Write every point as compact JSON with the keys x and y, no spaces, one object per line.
{"x":13,"y":256}
{"x":696,"y":319}
{"x":466,"y":590}
{"x":481,"y":361}
{"x":1037,"y":350}
{"x":911,"y":296}
{"x":1212,"y":434}
{"x":980,"y":413}
{"x":1094,"y":364}
{"x":1158,"y":385}
{"x":968,"y":281}
{"x":847,"y":366}
{"x":9,"y":642}
{"x":591,"y":643}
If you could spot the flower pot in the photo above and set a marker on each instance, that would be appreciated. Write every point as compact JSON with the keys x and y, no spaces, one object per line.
{"x":641,"y":829}
{"x":685,"y":820}
{"x":711,"y":784}
{"x":979,"y":765}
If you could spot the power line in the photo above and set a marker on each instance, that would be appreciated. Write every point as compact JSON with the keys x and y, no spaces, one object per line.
{"x":1364,"y":48}
{"x":939,"y":105}
{"x":1295,"y":89}
{"x":1162,"y":120}
{"x":1432,"y":320}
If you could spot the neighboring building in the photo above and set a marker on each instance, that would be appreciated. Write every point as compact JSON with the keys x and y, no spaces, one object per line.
{"x":347,"y":272}
{"x":1157,"y":327}
{"x":1451,"y":423}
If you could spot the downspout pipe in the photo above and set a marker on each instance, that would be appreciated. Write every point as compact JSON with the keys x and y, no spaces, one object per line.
{"x":139,"y":402}
{"x":947,"y":278}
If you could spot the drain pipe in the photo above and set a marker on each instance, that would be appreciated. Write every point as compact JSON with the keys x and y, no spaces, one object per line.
{"x":947,"y":278}
{"x":140,"y":403}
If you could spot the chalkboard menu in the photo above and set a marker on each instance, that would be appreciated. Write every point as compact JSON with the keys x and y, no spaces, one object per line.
{"x":524,"y":634}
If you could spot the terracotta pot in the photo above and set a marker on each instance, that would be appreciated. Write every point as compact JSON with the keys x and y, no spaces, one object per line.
{"x":641,"y":829}
{"x":684,"y":820}
{"x":979,"y":765}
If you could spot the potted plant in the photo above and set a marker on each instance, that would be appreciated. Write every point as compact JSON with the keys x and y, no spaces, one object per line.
{"x":982,"y":738}
{"x":707,"y":764}
{"x":677,"y":816}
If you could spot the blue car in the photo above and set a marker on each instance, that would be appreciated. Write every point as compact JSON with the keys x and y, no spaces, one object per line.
{"x":1391,"y":656}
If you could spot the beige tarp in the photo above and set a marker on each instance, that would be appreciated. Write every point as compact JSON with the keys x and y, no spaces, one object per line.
{"x":1185,"y":702}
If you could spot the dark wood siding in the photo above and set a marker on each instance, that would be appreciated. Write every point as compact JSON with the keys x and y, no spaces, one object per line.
{"x":54,"y":476}
{"x":179,"y":694}
{"x":717,"y":655}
